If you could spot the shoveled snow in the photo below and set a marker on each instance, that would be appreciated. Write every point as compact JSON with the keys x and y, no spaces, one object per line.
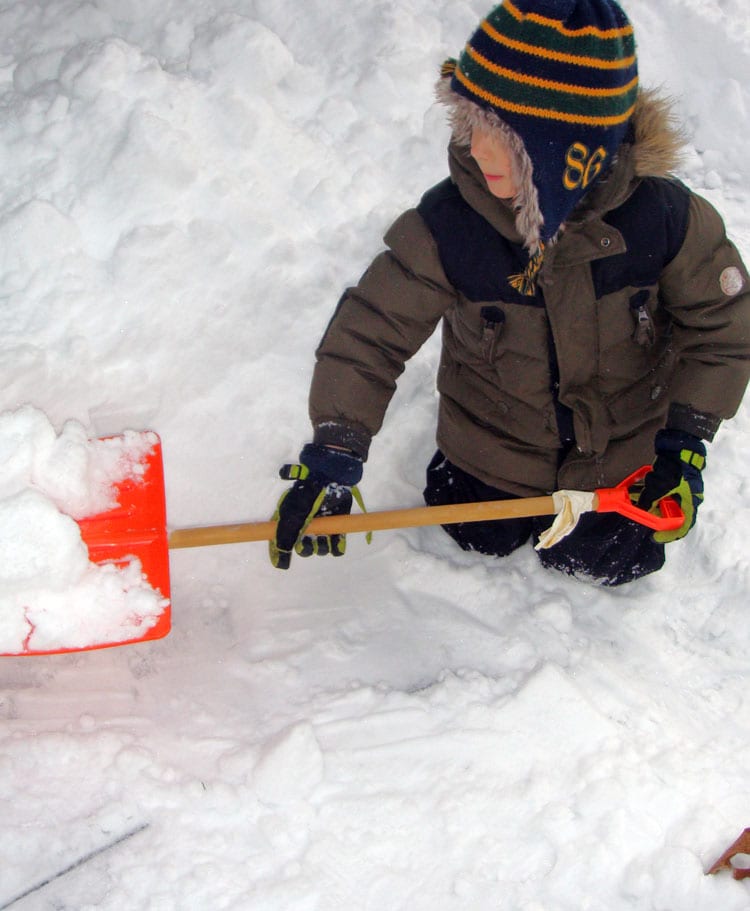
{"x":185,"y":189}
{"x":51,"y":595}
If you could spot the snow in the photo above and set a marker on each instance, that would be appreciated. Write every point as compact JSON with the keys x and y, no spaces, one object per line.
{"x":51,"y":596}
{"x":185,"y":189}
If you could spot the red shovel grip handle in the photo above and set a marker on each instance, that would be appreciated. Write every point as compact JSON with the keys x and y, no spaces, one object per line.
{"x":617,"y":499}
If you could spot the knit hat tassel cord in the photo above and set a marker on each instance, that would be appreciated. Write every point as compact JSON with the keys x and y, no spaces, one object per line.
{"x":525,"y":281}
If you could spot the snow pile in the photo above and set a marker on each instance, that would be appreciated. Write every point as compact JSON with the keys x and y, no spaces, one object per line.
{"x":51,"y":595}
{"x":77,"y":474}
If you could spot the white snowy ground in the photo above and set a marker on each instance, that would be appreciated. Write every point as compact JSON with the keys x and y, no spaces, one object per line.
{"x":185,"y":189}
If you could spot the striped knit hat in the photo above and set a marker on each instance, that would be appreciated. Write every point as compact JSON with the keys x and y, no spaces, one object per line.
{"x":562,"y":75}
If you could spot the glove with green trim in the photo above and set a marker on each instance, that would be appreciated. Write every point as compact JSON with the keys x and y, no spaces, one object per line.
{"x":680,"y":459}
{"x":324,"y":482}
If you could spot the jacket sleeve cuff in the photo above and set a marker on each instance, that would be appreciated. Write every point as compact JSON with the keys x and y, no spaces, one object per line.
{"x":690,"y":420}
{"x":347,"y":436}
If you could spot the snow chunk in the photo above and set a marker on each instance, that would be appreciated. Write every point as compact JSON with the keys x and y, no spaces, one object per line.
{"x":550,"y":719}
{"x":32,"y":236}
{"x":77,"y":474}
{"x":252,"y":54}
{"x":290,"y":767}
{"x":38,"y":542}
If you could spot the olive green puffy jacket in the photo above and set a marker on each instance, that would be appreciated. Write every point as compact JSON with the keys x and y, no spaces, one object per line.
{"x":570,"y":392}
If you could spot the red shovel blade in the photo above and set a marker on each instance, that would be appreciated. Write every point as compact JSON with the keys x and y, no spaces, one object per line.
{"x":137,"y":527}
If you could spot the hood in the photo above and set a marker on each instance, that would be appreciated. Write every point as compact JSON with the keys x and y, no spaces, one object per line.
{"x":652,"y":148}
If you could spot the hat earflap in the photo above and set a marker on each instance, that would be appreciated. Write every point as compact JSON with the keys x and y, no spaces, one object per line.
{"x":464,"y":117}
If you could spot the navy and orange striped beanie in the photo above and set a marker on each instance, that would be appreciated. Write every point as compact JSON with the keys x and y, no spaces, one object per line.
{"x":563,"y":75}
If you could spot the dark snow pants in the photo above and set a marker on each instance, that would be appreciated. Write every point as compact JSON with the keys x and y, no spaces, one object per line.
{"x":606,"y":548}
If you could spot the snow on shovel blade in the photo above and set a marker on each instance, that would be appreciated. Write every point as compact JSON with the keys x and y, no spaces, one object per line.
{"x":135,"y":528}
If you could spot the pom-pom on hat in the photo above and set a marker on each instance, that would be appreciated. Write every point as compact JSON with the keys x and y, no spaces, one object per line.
{"x":563,"y":75}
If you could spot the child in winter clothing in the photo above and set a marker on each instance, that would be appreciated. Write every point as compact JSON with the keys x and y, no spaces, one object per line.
{"x":593,"y":311}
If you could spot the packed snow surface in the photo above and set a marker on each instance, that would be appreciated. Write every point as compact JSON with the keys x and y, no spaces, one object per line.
{"x":185,"y":189}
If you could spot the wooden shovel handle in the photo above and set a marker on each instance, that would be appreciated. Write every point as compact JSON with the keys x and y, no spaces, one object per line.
{"x":371,"y":521}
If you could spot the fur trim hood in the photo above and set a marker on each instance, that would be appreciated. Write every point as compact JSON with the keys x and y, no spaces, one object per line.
{"x":658,"y":138}
{"x":652,"y":149}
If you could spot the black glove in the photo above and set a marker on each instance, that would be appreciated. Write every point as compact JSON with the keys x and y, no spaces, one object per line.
{"x":680,"y":459}
{"x":323,"y":479}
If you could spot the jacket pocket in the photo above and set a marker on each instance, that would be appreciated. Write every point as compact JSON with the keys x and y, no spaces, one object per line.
{"x":634,"y":333}
{"x":474,"y":330}
{"x":644,"y":333}
{"x":495,"y":365}
{"x":492,"y":325}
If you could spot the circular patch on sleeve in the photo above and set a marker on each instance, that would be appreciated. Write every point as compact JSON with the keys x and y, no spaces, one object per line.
{"x":731,"y":281}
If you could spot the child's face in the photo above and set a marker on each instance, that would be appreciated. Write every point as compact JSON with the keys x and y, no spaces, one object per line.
{"x":495,"y":161}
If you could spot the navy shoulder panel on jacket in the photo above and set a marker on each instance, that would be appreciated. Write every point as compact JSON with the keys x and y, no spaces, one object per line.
{"x":653,"y":222}
{"x":476,"y":258}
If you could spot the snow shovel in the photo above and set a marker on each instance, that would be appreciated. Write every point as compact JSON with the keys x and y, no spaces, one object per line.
{"x":138,"y":526}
